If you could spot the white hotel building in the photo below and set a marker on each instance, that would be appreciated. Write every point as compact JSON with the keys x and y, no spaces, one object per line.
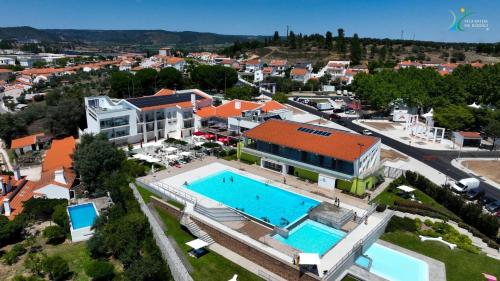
{"x":166,"y":114}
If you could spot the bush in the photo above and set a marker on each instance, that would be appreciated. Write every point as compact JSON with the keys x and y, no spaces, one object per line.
{"x":100,"y":270}
{"x":12,"y":256}
{"x":381,"y":207}
{"x":401,"y":224}
{"x":27,"y":278}
{"x":40,"y":208}
{"x":60,"y":217}
{"x":419,"y":212}
{"x":428,"y":222}
{"x":416,"y":205}
{"x":54,"y":234}
{"x":57,"y":268}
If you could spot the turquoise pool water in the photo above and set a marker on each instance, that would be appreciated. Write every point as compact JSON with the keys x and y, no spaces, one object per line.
{"x":395,"y":266}
{"x":257,"y":199}
{"x":312,"y":237}
{"x":82,"y":215}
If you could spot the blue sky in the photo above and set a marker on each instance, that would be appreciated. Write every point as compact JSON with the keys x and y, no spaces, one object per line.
{"x":421,"y":19}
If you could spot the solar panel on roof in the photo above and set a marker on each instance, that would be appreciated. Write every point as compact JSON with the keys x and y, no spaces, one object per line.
{"x":161,"y":100}
{"x":314,"y":132}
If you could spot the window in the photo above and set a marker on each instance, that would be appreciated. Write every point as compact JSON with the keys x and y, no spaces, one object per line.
{"x":273,"y":166}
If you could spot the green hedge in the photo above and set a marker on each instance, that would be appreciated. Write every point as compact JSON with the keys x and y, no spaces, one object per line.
{"x":249,"y":158}
{"x":306,"y":174}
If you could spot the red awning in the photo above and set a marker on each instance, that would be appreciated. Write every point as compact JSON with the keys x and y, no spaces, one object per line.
{"x":198,"y":133}
{"x":209,"y":136}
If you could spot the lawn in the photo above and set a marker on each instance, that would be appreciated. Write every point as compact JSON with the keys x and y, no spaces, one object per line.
{"x":76,"y":254}
{"x":146,"y":195}
{"x":388,"y":198}
{"x":211,"y":266}
{"x":460,"y":265}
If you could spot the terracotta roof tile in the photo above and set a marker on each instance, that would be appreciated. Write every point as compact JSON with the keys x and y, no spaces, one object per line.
{"x":339,"y":145}
{"x":298,"y":71}
{"x":165,"y":92}
{"x":59,"y":154}
{"x":25,"y":141}
{"x":470,"y":134}
{"x":272,"y":105}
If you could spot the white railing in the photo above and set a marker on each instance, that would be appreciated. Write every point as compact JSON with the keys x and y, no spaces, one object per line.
{"x":169,"y":191}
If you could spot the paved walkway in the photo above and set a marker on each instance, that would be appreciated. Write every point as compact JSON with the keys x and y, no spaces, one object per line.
{"x":476,"y":241}
{"x":5,"y":156}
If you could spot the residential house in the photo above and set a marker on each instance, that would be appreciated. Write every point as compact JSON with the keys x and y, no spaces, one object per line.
{"x":165,"y":51}
{"x":253,"y":65}
{"x":7,"y":61}
{"x":279,"y":67}
{"x":408,"y":64}
{"x":300,"y":74}
{"x":166,"y":114}
{"x":337,"y":68}
{"x":29,"y":143}
{"x":333,"y":158}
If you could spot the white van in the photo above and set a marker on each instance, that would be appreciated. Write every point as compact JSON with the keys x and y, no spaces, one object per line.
{"x":465,"y":185}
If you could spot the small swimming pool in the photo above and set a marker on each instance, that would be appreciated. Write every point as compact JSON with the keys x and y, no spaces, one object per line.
{"x":312,"y":237}
{"x":82,"y":215}
{"x":255,"y":198}
{"x":393,"y":265}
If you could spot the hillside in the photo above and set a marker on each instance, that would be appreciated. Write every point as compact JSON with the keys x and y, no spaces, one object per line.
{"x":132,"y":37}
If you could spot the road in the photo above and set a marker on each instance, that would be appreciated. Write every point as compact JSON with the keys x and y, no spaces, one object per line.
{"x":437,"y":159}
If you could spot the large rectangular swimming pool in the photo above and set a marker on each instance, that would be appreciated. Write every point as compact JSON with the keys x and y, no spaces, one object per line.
{"x":393,"y":265}
{"x":255,"y":198}
{"x":82,"y":215}
{"x":312,"y":237}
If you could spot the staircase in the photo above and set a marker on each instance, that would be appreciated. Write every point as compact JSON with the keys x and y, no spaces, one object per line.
{"x":220,"y":214}
{"x":195,"y":229}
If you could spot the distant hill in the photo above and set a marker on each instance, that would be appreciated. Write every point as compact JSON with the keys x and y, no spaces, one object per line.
{"x":143,"y":37}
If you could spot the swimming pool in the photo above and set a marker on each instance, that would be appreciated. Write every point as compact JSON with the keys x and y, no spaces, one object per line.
{"x":393,"y":265}
{"x":82,"y":215}
{"x":312,"y":237}
{"x":255,"y":198}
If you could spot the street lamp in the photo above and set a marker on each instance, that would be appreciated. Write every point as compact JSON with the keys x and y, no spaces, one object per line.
{"x":357,"y":172}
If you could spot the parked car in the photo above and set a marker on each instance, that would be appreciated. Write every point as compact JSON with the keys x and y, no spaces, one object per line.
{"x":465,"y":185}
{"x":334,"y":116}
{"x":367,"y":132}
{"x":493,"y":206}
{"x":350,"y":112}
{"x":474,"y":194}
{"x":485,"y":200}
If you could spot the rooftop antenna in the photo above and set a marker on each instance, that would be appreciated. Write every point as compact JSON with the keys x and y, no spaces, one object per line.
{"x":413,"y":37}
{"x":402,"y":34}
{"x":287,"y":27}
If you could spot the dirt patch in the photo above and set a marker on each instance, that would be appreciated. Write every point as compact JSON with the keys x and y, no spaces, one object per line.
{"x":391,"y":155}
{"x":485,"y":168}
{"x":383,"y":126}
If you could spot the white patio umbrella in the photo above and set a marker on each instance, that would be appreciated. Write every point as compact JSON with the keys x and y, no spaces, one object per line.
{"x":171,"y":149}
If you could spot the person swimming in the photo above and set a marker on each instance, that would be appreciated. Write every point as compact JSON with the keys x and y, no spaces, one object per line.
{"x":302,"y":203}
{"x":257,"y":197}
{"x":224,"y":180}
{"x":231,"y":179}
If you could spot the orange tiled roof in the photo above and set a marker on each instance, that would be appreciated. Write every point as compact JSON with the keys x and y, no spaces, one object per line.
{"x":59,"y":154}
{"x":48,"y":177}
{"x":229,"y":109}
{"x":339,"y":145}
{"x":165,"y":92}
{"x":4,"y":70}
{"x":206,"y":112}
{"x":470,"y":134}
{"x":278,"y":63}
{"x":253,"y":61}
{"x":25,"y":141}
{"x":298,"y":71}
{"x":24,"y":194}
{"x":267,"y":70}
{"x":272,"y":105}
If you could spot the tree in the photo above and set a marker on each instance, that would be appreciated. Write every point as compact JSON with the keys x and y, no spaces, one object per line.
{"x":39,"y":64}
{"x":276,"y":36}
{"x":214,"y":77}
{"x":329,"y":40}
{"x":60,"y":217}
{"x":100,"y":270}
{"x":55,"y":234}
{"x":493,"y":130}
{"x":355,"y":50}
{"x":240,"y":93}
{"x":325,"y":79}
{"x":280,"y":97}
{"x":146,"y":269}
{"x":341,"y":44}
{"x":57,"y":268}
{"x":123,"y":84}
{"x":11,"y":126}
{"x":292,"y":40}
{"x":64,"y":118}
{"x":147,"y":80}
{"x":170,"y":78}
{"x":454,"y":117}
{"x":95,"y":157}
{"x":53,"y":97}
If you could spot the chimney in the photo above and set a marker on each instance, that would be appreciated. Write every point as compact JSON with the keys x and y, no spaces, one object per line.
{"x":17,"y":173}
{"x":6,"y":206}
{"x":237,"y":105}
{"x":3,"y":188}
{"x":59,"y":176}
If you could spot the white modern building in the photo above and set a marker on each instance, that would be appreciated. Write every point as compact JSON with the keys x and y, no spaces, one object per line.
{"x":166,"y":114}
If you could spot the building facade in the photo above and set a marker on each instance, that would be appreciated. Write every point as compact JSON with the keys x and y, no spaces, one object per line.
{"x":167,"y":114}
{"x":333,"y":158}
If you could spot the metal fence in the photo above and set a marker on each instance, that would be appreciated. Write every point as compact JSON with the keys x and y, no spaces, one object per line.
{"x":177,"y":268}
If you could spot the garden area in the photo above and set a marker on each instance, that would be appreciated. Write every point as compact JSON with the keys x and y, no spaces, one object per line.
{"x":210,"y":266}
{"x":462,"y":263}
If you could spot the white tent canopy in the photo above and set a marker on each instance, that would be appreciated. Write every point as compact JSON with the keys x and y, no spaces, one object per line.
{"x":197,"y":244}
{"x":474,"y":105}
{"x":309,"y":258}
{"x":200,"y":143}
{"x":185,"y":153}
{"x":172,"y":157}
{"x":170,"y":149}
{"x":428,"y":114}
{"x":406,"y":188}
